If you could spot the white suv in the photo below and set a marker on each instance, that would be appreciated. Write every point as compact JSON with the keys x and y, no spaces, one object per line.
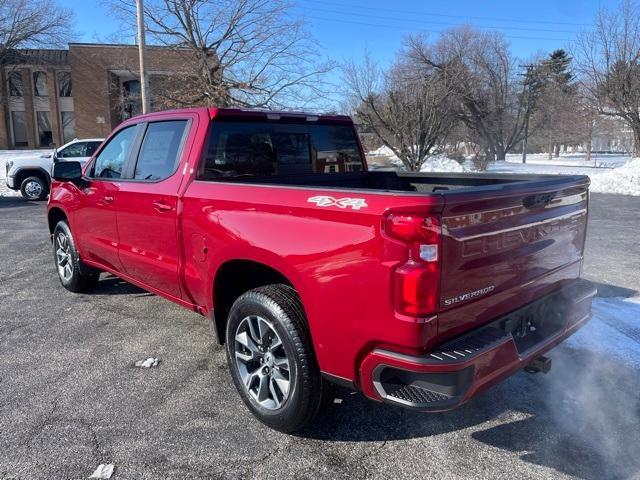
{"x":32,"y":175}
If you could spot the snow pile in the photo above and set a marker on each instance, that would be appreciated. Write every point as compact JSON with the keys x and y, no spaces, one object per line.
{"x":624,"y":180}
{"x":441,"y":164}
{"x":103,"y":471}
{"x":148,"y":363}
{"x":383,"y":151}
{"x":384,"y":157}
{"x":6,"y":191}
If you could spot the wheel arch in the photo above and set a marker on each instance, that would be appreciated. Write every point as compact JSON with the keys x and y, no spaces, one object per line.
{"x":54,"y":215}
{"x":26,"y":172}
{"x":232,"y":279}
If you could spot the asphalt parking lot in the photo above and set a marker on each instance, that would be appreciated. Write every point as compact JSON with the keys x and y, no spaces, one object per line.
{"x":70,"y":397}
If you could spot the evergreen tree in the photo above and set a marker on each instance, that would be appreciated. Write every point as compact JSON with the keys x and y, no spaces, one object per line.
{"x":557,"y":69}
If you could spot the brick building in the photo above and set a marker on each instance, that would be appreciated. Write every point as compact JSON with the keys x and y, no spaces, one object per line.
{"x":50,"y":97}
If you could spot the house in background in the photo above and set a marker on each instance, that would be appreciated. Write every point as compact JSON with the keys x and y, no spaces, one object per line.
{"x":50,"y":97}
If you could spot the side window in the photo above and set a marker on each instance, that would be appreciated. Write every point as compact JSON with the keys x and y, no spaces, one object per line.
{"x":91,"y":148}
{"x":111,"y":159}
{"x":73,"y":150}
{"x":335,"y":149}
{"x":160,"y":149}
{"x":257,"y":149}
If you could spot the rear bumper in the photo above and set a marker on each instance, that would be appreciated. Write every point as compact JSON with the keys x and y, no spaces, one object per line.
{"x":461,"y":368}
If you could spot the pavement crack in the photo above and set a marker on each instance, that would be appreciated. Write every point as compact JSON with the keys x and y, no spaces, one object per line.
{"x":97,"y":448}
{"x":40,"y":426}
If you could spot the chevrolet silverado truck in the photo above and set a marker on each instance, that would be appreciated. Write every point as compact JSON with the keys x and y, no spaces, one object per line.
{"x":419,"y":290}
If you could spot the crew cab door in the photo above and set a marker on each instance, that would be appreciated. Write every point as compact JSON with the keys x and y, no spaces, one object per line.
{"x":95,"y":220}
{"x":147,"y":209}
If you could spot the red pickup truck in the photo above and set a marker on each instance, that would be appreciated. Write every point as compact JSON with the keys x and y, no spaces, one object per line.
{"x":419,"y":290}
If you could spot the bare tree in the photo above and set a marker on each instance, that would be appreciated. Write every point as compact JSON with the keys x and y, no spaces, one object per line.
{"x":236,"y":52}
{"x":490,"y":94}
{"x":609,"y":61}
{"x":32,"y":23}
{"x":408,"y":107}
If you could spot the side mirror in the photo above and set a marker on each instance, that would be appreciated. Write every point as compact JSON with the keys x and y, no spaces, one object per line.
{"x":54,"y":155}
{"x":67,"y":171}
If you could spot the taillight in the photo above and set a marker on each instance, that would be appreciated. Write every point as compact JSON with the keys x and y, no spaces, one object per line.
{"x":416,"y":281}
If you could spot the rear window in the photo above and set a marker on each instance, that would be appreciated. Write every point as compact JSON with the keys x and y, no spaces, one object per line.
{"x":273,"y":149}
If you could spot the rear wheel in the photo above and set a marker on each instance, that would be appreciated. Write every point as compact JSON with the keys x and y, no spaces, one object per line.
{"x":34,"y":188}
{"x":74,"y":275}
{"x":271,"y":358}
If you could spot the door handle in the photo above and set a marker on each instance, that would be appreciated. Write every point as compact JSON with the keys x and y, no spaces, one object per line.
{"x":108,"y":199}
{"x":161,"y":206}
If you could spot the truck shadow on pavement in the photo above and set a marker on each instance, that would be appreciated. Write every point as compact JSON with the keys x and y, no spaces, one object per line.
{"x":112,"y":285}
{"x":16,"y":202}
{"x":606,"y":291}
{"x":582,"y":419}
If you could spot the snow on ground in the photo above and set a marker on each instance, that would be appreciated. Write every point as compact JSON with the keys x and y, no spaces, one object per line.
{"x":609,"y":173}
{"x":624,"y":180}
{"x":613,"y":331}
{"x":384,"y":157}
{"x":9,"y":155}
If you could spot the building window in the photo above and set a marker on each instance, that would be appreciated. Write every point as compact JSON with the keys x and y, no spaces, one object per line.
{"x":68,"y":126}
{"x":40,"y":84}
{"x":19,"y":123}
{"x":64,"y":83}
{"x":132,"y":99}
{"x":45,"y":134}
{"x":15,"y":84}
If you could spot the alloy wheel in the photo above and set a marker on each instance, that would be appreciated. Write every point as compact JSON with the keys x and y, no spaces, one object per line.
{"x":262,"y":362}
{"x":63,"y":257}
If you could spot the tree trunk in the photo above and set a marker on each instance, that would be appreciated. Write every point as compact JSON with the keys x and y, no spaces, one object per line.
{"x":500,"y":153}
{"x":556,"y":152}
{"x":636,"y":140}
{"x":550,"y":150}
{"x":587,"y":150}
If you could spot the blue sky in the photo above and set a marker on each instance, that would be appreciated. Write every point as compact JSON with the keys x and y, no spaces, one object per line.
{"x":344,"y":28}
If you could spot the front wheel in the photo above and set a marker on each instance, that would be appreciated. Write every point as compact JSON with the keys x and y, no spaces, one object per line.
{"x":271,"y":358}
{"x":34,"y":188}
{"x":74,"y":275}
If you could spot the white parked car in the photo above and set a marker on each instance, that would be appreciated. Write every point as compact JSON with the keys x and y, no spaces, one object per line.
{"x":32,"y":175}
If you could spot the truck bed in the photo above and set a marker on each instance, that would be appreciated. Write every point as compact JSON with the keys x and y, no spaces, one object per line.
{"x":389,"y":181}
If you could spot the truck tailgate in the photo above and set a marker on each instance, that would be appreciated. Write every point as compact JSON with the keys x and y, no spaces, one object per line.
{"x":504,"y":239}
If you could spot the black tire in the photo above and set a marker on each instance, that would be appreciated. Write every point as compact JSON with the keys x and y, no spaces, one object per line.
{"x":82,"y":278}
{"x":34,"y":188}
{"x":308,"y":392}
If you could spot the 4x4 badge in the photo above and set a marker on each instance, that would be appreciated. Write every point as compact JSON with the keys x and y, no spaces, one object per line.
{"x":325,"y":201}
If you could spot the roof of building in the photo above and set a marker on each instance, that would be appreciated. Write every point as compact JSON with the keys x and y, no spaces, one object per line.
{"x":37,"y":56}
